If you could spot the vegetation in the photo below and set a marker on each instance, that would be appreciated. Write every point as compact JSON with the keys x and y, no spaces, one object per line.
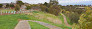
{"x":17,"y":8}
{"x":28,"y":7}
{"x":11,"y":5}
{"x":20,"y":3}
{"x":7,"y":6}
{"x":35,"y":25}
{"x":50,"y":13}
{"x":72,"y":12}
{"x":43,"y":17}
{"x":12,"y":20}
{"x":53,"y":9}
{"x":85,"y":20}
{"x":1,"y":5}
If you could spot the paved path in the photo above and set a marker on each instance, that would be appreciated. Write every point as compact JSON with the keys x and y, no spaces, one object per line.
{"x":65,"y":20}
{"x":23,"y":24}
{"x":46,"y":24}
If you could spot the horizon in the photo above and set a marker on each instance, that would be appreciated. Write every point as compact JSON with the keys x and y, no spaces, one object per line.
{"x":61,"y":2}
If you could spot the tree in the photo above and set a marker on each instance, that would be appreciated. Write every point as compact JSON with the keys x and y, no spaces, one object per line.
{"x":17,"y":8}
{"x":46,"y":4}
{"x":28,"y":7}
{"x":85,"y":21}
{"x":54,"y":9}
{"x":1,"y":5}
{"x":44,"y":8}
{"x":7,"y":6}
{"x":11,"y":5}
{"x":74,"y":17}
{"x":20,"y":3}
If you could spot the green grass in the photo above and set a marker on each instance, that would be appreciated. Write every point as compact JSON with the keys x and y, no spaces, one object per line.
{"x":10,"y":21}
{"x":35,"y":25}
{"x":50,"y":15}
{"x":68,"y":20}
{"x":61,"y":18}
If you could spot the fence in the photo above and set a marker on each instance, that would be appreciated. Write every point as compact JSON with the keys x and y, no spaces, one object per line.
{"x":13,"y":12}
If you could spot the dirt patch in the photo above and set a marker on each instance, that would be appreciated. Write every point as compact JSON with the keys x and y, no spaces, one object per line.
{"x":40,"y":16}
{"x":57,"y":21}
{"x":28,"y":13}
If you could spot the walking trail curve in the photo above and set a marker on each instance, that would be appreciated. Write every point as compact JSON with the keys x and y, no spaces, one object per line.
{"x":23,"y":24}
{"x":46,"y":24}
{"x":65,"y":20}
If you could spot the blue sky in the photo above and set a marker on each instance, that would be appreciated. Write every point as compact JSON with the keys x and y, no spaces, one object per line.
{"x":62,"y":2}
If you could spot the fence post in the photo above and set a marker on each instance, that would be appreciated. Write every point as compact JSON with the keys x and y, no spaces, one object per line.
{"x":1,"y":12}
{"x":6,"y":11}
{"x":9,"y":12}
{"x":12,"y":12}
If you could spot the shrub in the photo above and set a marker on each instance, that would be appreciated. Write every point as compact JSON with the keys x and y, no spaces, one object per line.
{"x":1,"y":5}
{"x":17,"y":8}
{"x":54,"y":9}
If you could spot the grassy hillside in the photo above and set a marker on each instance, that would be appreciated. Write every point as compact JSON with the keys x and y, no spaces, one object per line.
{"x":41,"y":16}
{"x":10,"y":21}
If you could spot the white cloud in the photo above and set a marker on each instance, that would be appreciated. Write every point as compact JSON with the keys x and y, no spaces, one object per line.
{"x":64,"y":2}
{"x":6,"y":1}
{"x":35,"y":1}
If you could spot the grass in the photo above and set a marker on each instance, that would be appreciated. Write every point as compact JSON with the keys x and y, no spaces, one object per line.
{"x":50,"y":15}
{"x":10,"y":21}
{"x":35,"y":25}
{"x":61,"y":18}
{"x":68,"y":20}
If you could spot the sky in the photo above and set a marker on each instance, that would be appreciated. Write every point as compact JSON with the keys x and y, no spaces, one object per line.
{"x":61,"y":2}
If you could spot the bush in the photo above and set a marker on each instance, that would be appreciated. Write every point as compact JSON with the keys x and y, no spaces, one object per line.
{"x":1,"y":5}
{"x":7,"y":6}
{"x":73,"y":16}
{"x":85,"y":21}
{"x":19,"y":3}
{"x":44,"y":8}
{"x":54,"y":9}
{"x":11,"y":5}
{"x":17,"y":8}
{"x":28,"y":7}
